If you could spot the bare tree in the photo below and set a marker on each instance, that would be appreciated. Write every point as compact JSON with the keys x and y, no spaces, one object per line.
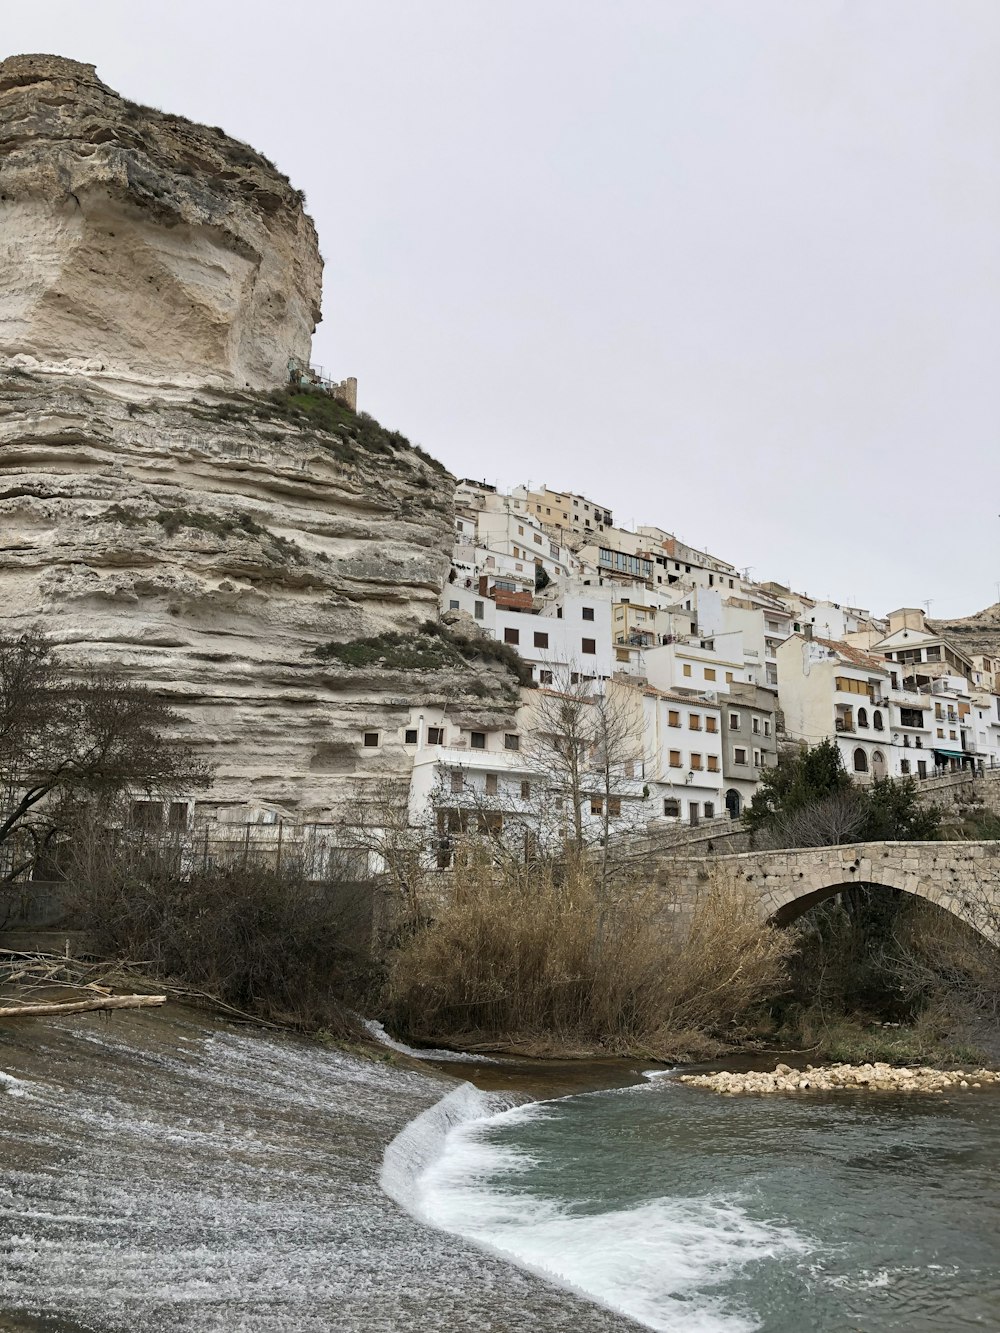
{"x":580,"y":748}
{"x":381,"y":827}
{"x":69,"y":742}
{"x":829,"y":822}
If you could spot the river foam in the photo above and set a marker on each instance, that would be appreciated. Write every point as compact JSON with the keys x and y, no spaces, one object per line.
{"x":651,"y":1262}
{"x":440,"y":1056}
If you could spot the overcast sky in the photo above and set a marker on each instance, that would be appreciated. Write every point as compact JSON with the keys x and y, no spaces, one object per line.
{"x":728,"y":266}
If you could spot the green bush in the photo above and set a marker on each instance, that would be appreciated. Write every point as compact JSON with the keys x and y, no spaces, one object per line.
{"x":431,"y":647}
{"x":173,"y":520}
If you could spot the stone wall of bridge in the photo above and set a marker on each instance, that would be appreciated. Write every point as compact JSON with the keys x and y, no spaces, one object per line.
{"x":961,"y":877}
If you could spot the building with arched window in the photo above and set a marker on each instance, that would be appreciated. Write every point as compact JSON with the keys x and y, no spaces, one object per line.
{"x":833,"y":689}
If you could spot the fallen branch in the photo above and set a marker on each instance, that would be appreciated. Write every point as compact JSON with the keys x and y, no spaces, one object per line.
{"x":80,"y":1006}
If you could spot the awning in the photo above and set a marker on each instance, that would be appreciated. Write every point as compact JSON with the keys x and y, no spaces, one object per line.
{"x":953,"y":754}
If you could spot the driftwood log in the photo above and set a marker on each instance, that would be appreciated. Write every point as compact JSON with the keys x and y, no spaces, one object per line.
{"x":81,"y":1006}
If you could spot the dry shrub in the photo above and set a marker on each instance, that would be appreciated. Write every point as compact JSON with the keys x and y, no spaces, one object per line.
{"x":933,"y":956}
{"x":544,"y":956}
{"x":266,"y":941}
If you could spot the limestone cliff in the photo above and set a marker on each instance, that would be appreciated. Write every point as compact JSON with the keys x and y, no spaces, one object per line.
{"x":140,"y":244}
{"x":209,"y":540}
{"x":979,"y":633}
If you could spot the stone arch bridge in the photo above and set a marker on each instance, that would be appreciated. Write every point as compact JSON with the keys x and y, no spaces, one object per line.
{"x":961,"y":877}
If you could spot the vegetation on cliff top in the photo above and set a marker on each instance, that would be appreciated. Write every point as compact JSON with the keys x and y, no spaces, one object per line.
{"x":430,"y":648}
{"x":350,"y":436}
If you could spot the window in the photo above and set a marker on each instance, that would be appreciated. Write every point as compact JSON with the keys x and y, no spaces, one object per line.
{"x":767,"y":726}
{"x":847,"y":685}
{"x":587,"y":613}
{"x":491,"y":784}
{"x":729,"y":678}
{"x":596,"y":805}
{"x":435,"y":735}
{"x":940,"y":733}
{"x":588,"y":645}
{"x":511,"y":635}
{"x":860,"y":761}
{"x":673,"y":718}
{"x":862,"y":717}
{"x":410,"y":736}
{"x":713,"y":763}
{"x":511,"y":741}
{"x":877,"y":722}
{"x":686,"y":668}
{"x":477,"y":739}
{"x":457,"y":781}
{"x":477,"y":611}
{"x":621,"y":654}
{"x":675,"y":759}
{"x":525,"y":791}
{"x":452,"y":605}
{"x":709,"y":810}
{"x":739,"y":756}
{"x":904,"y":766}
{"x":537,"y":539}
{"x":541,"y":639}
{"x":734,"y":722}
{"x":755,"y":725}
{"x":614,"y":806}
{"x":545,"y":677}
{"x":711,"y":723}
{"x":696,"y":763}
{"x":177,"y":816}
{"x":756,"y":758}
{"x":520,"y":530}
{"x":710,"y":673}
{"x":694,"y":722}
{"x":371,"y":739}
{"x":574,"y":677}
{"x":672,"y":809}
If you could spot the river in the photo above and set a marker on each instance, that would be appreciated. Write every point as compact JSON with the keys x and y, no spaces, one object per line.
{"x":164,"y":1172}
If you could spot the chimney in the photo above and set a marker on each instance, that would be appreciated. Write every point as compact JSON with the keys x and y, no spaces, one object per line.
{"x":807,"y":630}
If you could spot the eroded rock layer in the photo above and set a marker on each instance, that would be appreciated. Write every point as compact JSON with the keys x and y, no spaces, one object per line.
{"x":210,"y":544}
{"x":139,"y":244}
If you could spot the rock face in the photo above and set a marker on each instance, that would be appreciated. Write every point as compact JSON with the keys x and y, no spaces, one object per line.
{"x":209,"y":541}
{"x":975,"y":634}
{"x":139,"y":243}
{"x":211,"y":545}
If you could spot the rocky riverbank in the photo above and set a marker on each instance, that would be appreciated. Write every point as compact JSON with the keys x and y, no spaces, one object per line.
{"x":876,"y":1077}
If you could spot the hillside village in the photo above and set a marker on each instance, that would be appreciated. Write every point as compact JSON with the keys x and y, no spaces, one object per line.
{"x":329,"y":612}
{"x":715,"y":672}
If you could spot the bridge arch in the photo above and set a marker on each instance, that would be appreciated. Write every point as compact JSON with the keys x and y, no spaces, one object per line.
{"x":961,"y":877}
{"x":794,"y":908}
{"x":952,"y":876}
